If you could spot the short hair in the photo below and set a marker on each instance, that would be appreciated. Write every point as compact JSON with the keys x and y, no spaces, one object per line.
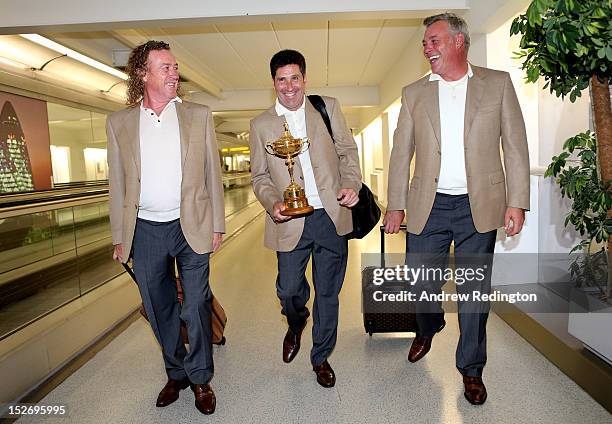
{"x":287,"y":57}
{"x":137,"y":66}
{"x":456,"y":25}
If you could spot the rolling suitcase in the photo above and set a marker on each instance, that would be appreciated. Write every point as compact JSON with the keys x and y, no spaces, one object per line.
{"x":219,"y":319}
{"x":397,"y":317}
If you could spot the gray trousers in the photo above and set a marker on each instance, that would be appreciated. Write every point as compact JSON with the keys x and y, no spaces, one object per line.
{"x":329,"y":256}
{"x":156,"y":247}
{"x":451,"y":221}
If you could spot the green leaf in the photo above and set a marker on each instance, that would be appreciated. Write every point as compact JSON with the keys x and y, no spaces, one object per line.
{"x":601,"y":53}
{"x":533,"y":15}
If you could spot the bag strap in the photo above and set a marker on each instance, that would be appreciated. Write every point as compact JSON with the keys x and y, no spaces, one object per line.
{"x":319,"y":104}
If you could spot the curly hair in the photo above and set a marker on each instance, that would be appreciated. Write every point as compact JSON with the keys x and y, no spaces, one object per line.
{"x":136,"y":68}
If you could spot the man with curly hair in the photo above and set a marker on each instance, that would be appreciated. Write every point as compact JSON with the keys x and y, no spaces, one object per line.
{"x":166,"y":205}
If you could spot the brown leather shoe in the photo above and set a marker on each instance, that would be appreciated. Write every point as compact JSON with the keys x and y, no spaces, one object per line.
{"x":205,"y":400}
{"x":325,"y":374}
{"x":170,"y":392}
{"x":475,"y":390}
{"x":421,"y":345}
{"x":291,"y":344}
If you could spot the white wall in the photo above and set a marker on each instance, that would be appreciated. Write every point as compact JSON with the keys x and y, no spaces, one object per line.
{"x":500,"y":52}
{"x":549,"y":121}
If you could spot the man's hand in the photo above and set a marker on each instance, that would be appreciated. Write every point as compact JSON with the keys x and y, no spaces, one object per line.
{"x":217,"y":240}
{"x":513,"y":221}
{"x":392,"y":221}
{"x":347,"y":197}
{"x":118,"y":253}
{"x":276,"y":212}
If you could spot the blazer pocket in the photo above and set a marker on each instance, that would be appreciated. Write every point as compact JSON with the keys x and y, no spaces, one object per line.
{"x":497,"y":177}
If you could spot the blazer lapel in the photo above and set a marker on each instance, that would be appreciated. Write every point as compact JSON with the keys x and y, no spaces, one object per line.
{"x":183,"y":114}
{"x":475,"y":91}
{"x":312,"y":127}
{"x":131,"y":132}
{"x":433,"y":106}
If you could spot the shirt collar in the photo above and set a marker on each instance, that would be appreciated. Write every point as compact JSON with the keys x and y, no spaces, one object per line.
{"x":436,"y":77}
{"x":282,"y":110}
{"x":177,"y":99}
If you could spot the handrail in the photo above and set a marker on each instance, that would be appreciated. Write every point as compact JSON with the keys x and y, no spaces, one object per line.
{"x":30,"y":199}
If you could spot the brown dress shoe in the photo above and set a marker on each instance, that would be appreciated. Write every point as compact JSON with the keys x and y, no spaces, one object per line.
{"x":475,"y":390}
{"x":205,"y":400}
{"x":421,"y":345}
{"x":325,"y":374}
{"x":291,"y":344}
{"x":170,"y":392}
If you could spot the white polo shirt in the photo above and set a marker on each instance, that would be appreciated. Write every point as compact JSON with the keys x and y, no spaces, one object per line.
{"x":451,"y":98}
{"x":297,"y":127}
{"x":160,"y":164}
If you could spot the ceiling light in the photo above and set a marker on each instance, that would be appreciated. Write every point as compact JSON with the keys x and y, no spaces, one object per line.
{"x":45,"y":42}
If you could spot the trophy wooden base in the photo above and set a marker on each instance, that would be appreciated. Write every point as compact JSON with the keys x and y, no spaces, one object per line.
{"x":297,"y":211}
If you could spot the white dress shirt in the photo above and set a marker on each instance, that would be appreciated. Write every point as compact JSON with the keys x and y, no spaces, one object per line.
{"x":297,"y":127}
{"x":451,"y":98}
{"x":160,"y":164}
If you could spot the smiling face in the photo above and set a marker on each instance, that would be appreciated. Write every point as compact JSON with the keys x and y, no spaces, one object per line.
{"x":445,"y":53}
{"x":161,"y":78}
{"x":289,"y":84}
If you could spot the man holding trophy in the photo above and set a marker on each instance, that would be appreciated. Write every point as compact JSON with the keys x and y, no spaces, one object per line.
{"x":307,"y":182}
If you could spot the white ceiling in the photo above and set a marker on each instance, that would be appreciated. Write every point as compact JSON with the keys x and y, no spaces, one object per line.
{"x":220,"y":60}
{"x":359,"y":51}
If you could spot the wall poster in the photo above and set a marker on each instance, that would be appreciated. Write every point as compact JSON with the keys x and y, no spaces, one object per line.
{"x":25,"y":155}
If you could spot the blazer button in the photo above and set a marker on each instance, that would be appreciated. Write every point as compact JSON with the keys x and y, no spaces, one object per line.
{"x":439,"y":152}
{"x":436,"y":180}
{"x":135,"y":206}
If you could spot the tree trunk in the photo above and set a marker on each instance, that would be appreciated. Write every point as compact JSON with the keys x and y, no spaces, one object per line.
{"x":603,"y":128}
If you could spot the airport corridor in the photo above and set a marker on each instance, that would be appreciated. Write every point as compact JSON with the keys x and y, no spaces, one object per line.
{"x":375,"y":381}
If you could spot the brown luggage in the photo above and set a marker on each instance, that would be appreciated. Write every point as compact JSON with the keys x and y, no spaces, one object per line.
{"x":219,"y":319}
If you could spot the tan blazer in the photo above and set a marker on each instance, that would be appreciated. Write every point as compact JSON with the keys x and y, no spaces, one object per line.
{"x":202,"y":209}
{"x":335,"y":166}
{"x":492,"y":112}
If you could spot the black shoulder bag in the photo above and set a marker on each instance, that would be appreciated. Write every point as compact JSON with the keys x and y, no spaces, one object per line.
{"x":366,"y":212}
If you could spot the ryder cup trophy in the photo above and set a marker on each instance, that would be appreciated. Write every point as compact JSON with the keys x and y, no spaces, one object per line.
{"x":287,"y":148}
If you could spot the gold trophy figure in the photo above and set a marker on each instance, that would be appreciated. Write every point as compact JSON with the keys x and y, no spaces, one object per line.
{"x":287,"y":148}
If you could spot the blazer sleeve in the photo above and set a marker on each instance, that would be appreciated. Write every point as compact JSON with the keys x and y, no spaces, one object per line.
{"x":116,"y":182}
{"x":213,"y":177}
{"x":515,"y":149}
{"x":401,"y":156}
{"x":346,"y":148}
{"x":263,"y":186}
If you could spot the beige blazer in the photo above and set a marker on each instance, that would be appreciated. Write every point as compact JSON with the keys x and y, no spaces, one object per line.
{"x":202,"y":209}
{"x":492,"y":112}
{"x":335,"y":166}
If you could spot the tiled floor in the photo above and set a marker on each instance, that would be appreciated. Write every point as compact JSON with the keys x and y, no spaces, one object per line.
{"x":375,"y":382}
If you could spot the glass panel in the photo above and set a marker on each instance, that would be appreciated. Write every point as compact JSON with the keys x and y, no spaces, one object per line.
{"x":78,"y":139}
{"x":94,"y":245}
{"x":25,"y":239}
{"x":38,"y":271}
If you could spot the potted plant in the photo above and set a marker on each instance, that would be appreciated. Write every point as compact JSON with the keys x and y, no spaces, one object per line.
{"x":576,"y":173}
{"x":569,"y":44}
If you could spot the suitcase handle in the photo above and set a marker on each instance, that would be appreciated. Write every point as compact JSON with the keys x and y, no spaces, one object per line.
{"x":129,"y":271}
{"x":382,"y":243}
